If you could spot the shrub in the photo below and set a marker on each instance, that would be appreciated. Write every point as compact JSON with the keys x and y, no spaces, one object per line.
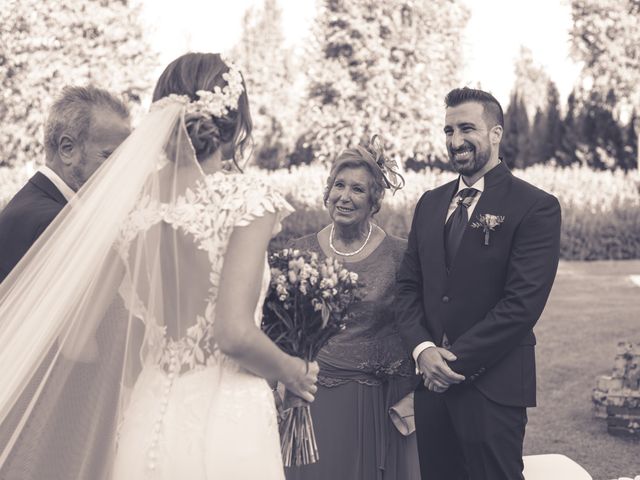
{"x":600,"y":209}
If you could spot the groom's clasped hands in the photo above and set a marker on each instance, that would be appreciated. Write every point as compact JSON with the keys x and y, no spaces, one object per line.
{"x":436,"y":373}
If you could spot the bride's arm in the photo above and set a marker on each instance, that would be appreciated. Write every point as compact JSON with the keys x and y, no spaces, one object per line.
{"x":235,"y":329}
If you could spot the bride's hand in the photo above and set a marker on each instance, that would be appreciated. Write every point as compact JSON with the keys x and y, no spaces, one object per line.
{"x":302,"y":379}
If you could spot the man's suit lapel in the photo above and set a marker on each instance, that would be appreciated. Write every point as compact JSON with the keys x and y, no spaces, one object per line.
{"x":41,"y":182}
{"x":436,"y":228}
{"x":491,"y":201}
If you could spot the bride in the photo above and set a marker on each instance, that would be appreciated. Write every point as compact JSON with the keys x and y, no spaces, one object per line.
{"x":129,"y":333}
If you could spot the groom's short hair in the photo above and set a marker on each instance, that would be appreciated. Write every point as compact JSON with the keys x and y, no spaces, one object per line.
{"x":72,"y":113}
{"x":492,"y":108}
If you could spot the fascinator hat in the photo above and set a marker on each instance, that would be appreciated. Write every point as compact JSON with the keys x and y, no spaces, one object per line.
{"x":388,"y":167}
{"x":384,"y":169}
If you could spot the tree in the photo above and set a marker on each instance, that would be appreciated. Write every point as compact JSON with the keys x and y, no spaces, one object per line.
{"x":606,"y":37}
{"x":631,"y":142}
{"x":383,"y":67}
{"x":602,"y":134}
{"x":531,"y":83}
{"x":527,"y":119}
{"x":571,"y":134}
{"x":514,"y":147}
{"x":538,"y":146}
{"x":555,"y":128}
{"x":547,"y":132}
{"x":267,"y":66}
{"x":47,"y":45}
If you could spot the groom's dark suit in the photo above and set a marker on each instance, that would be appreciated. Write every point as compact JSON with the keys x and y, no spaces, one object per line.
{"x":486,"y":306}
{"x":24,"y":219}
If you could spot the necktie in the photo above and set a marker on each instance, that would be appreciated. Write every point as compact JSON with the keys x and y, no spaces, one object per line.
{"x":457,"y":222}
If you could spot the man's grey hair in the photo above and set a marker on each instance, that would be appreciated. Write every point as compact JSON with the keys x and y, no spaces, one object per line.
{"x":71,"y":114}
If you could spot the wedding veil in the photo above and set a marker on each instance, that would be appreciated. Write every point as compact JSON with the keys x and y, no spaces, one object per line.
{"x":72,"y":310}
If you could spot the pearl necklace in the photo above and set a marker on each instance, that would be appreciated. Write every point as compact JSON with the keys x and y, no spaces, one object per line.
{"x":349,"y":254}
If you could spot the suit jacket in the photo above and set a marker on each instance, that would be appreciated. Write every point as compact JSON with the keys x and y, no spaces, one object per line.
{"x":24,"y":219}
{"x":493,"y":295}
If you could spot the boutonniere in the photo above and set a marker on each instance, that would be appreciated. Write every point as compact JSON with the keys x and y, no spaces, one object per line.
{"x":488,"y":223}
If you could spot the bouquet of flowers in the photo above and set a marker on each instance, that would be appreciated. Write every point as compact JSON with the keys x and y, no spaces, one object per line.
{"x":305,"y":306}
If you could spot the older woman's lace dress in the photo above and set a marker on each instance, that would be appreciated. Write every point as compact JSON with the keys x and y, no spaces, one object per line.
{"x":364,"y":370}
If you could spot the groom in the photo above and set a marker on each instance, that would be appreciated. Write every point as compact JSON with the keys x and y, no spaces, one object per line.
{"x":85,"y":125}
{"x":481,"y":259}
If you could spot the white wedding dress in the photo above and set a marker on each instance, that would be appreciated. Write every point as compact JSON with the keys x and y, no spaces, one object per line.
{"x":94,"y":390}
{"x":193,"y":412}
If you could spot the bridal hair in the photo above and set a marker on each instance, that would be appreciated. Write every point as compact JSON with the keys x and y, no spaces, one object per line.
{"x":383,"y":170}
{"x":492,"y":109}
{"x":190,"y":75}
{"x":71,"y":114}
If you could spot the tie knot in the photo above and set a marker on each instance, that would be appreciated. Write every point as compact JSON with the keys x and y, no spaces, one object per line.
{"x":466,"y":196}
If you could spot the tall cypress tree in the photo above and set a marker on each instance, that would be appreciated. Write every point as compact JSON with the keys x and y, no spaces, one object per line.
{"x":630,"y":143}
{"x":571,"y":134}
{"x":555,"y":128}
{"x":547,"y":132}
{"x":538,"y":141}
{"x":531,"y":83}
{"x":514,"y":147}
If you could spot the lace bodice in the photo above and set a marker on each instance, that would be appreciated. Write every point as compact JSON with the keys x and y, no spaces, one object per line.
{"x":197,"y":226}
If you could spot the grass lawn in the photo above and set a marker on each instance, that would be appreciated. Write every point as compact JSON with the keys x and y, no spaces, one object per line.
{"x":593,"y":305}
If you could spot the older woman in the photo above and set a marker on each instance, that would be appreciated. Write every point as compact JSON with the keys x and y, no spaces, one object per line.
{"x":364,"y":369}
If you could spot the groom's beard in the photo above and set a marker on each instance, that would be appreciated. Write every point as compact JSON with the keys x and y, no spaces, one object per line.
{"x":468,"y":167}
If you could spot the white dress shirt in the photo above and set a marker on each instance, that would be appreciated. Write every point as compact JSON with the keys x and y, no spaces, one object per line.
{"x":64,"y":189}
{"x":479,"y":185}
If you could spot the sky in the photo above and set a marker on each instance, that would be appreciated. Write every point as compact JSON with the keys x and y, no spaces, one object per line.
{"x":494,"y":34}
{"x":497,"y":29}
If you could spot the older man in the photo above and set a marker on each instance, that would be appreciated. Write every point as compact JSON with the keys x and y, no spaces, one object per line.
{"x":85,"y":125}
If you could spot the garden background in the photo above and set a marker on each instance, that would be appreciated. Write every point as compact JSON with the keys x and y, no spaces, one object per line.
{"x":369,"y":67}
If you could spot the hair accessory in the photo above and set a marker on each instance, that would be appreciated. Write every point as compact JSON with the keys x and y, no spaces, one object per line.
{"x":218,"y":102}
{"x":388,"y":166}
